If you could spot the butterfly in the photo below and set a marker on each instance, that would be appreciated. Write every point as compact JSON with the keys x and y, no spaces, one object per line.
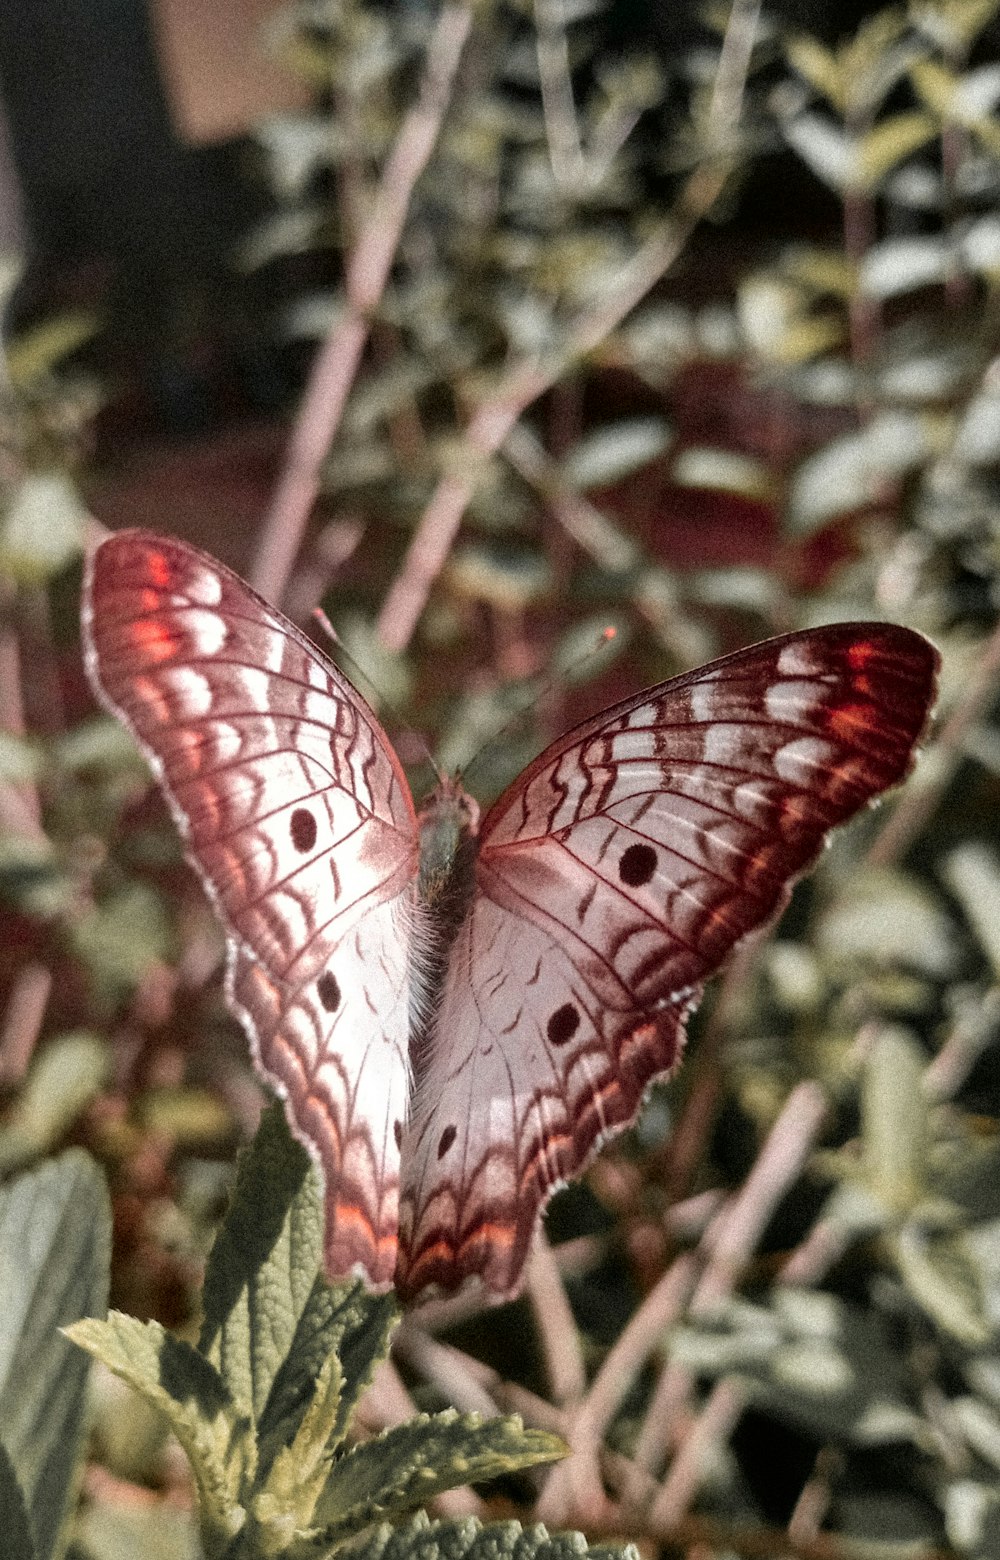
{"x":457,"y":1012}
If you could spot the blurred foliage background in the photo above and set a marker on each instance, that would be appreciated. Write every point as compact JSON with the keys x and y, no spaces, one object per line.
{"x":697,"y":331}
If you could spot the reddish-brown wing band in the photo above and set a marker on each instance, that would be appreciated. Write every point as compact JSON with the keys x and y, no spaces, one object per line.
{"x":613,"y":878}
{"x":299,"y":819}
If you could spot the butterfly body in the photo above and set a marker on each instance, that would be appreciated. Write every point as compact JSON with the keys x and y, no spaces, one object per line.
{"x":458,"y":1010}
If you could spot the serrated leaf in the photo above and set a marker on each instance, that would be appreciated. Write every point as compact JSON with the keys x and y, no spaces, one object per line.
{"x":409,"y":1464}
{"x":182,"y":1384}
{"x":18,"y":1543}
{"x":55,"y":1231}
{"x":345,"y":1319}
{"x":890,"y":142}
{"x":311,"y":1447}
{"x":263,"y":1264}
{"x":473,"y":1540}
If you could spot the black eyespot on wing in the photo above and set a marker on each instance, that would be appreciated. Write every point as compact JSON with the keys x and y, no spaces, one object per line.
{"x":448,"y":1137}
{"x":637,"y":865}
{"x":303,"y":830}
{"x":328,"y":988}
{"x":563,"y":1024}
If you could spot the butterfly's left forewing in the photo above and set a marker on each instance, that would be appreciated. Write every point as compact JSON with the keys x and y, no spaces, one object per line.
{"x":299,"y":819}
{"x":613,"y":878}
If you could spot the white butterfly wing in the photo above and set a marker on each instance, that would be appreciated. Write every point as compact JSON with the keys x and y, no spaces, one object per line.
{"x":613,"y":878}
{"x":300,"y":821}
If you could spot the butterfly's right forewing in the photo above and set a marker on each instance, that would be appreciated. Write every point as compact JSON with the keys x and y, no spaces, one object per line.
{"x":300,"y":821}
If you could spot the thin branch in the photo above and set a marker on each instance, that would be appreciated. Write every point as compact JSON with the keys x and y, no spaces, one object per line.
{"x":725,"y":1404}
{"x":495,"y":418}
{"x":22,"y":1022}
{"x":556,"y":1324}
{"x":561,"y":129}
{"x":336,"y":363}
{"x":574,"y":1491}
{"x":779,"y":1163}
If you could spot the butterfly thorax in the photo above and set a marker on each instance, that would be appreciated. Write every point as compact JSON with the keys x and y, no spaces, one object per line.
{"x":449,"y":828}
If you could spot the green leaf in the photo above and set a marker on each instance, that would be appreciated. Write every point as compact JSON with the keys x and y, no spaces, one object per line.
{"x":409,"y":1464}
{"x":17,"y":1540}
{"x":894,"y":1118}
{"x":817,"y":66}
{"x":41,"y":531}
{"x":942,"y":1275}
{"x":345,"y":1319}
{"x":891,"y":141}
{"x":301,"y":1466}
{"x":189,"y":1391}
{"x":120,"y":938}
{"x":472,"y":1540}
{"x":65,"y":1076}
{"x":54,"y":1253}
{"x":263,"y":1264}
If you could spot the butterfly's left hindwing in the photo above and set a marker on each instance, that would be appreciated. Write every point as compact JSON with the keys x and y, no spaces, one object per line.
{"x":299,"y":819}
{"x":613,"y":878}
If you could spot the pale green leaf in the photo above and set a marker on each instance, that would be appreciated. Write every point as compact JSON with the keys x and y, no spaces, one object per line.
{"x":614,"y":451}
{"x":899,"y":265}
{"x":890,"y":142}
{"x":344,"y":1318}
{"x":263,"y":1264}
{"x":65,"y":1075}
{"x":884,"y":918}
{"x":943,"y":1277}
{"x":818,"y":66}
{"x":471,"y":1540}
{"x":42,"y":529}
{"x":55,"y":1231}
{"x":409,"y":1464}
{"x":189,"y":1392}
{"x":894,"y":1118}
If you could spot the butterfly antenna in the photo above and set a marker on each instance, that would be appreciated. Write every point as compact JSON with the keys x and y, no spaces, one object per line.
{"x":605,"y":637}
{"x":361,"y":676}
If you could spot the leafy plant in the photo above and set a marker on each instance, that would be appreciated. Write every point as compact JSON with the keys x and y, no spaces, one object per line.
{"x":263,"y":1405}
